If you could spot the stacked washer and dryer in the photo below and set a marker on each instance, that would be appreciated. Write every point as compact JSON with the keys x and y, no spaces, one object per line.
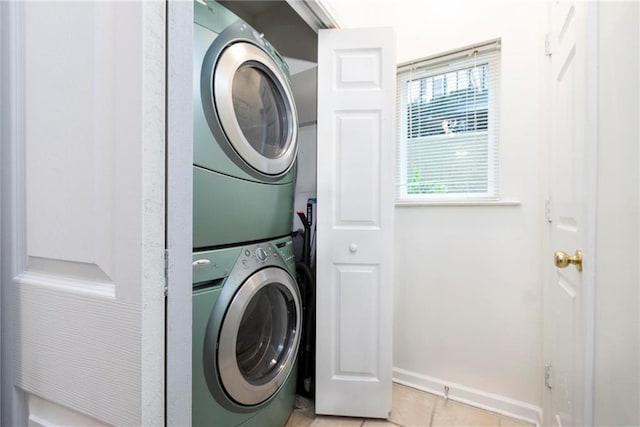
{"x":246,"y":303}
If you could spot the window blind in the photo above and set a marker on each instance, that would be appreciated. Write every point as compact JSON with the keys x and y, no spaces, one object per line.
{"x":448,"y":126}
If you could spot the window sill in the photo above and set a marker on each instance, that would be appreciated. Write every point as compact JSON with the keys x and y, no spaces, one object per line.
{"x":418,"y":203}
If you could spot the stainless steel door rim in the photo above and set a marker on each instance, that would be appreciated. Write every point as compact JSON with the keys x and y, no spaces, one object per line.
{"x":232,"y":60}
{"x":253,"y":391}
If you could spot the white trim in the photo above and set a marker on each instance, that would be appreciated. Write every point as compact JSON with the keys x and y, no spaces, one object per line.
{"x":3,"y":38}
{"x":452,"y":55}
{"x":153,"y":94}
{"x":14,"y":410}
{"x":314,"y":13}
{"x":470,"y":396}
{"x":591,"y":167}
{"x":418,"y":203}
{"x":179,"y":211}
{"x":15,"y":161}
{"x":546,"y":170}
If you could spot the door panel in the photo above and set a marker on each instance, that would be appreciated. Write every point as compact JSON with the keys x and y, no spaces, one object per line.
{"x":356,"y":93}
{"x":44,"y":413}
{"x":357,"y":344}
{"x":358,"y":153}
{"x":84,"y":293}
{"x":566,"y":333}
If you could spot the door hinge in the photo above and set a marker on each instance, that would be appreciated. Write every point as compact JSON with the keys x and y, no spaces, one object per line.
{"x":547,"y":376}
{"x":547,"y":210}
{"x":547,"y":44}
{"x":166,"y":271}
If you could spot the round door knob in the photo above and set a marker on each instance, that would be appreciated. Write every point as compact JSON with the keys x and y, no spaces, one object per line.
{"x":563,"y":260}
{"x":353,"y":248}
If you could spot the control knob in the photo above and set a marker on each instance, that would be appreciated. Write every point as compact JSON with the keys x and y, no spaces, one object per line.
{"x":261,"y":254}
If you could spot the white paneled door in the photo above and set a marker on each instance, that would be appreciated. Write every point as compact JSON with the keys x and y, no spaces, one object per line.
{"x":569,"y":315}
{"x":83,"y":213}
{"x":356,"y":110}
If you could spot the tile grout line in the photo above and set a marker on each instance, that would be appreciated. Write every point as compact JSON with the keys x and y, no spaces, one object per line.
{"x":433,"y":412}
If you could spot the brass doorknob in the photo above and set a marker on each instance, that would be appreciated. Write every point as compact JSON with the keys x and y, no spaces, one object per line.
{"x":562,"y":259}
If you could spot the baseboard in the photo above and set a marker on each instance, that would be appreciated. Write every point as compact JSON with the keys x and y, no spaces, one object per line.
{"x":478,"y":398}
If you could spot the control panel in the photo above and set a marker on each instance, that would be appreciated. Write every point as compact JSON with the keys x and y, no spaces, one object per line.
{"x":285,"y":248}
{"x":256,"y":256}
{"x":218,"y":264}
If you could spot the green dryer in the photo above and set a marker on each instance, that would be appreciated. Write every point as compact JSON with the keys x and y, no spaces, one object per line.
{"x":246,"y":332}
{"x":245,"y":133}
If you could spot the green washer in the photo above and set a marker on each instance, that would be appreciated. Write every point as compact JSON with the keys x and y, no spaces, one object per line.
{"x":245,"y":133}
{"x":246,"y":331}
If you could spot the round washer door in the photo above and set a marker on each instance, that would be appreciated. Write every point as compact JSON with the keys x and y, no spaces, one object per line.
{"x":259,"y":337}
{"x":255,"y":107}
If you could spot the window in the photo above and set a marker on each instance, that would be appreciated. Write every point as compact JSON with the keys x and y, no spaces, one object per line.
{"x":448,"y":127}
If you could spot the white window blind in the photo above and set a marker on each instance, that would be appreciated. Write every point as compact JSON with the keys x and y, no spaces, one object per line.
{"x":448,"y":111}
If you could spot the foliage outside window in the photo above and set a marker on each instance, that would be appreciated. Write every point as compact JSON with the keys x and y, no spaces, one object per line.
{"x":448,"y":127}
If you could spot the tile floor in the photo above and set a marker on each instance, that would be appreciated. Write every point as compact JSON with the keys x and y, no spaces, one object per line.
{"x":412,"y":408}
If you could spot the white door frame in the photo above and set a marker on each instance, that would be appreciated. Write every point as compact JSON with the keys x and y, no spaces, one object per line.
{"x":3,"y":26}
{"x":179,"y":210}
{"x":591,"y":158}
{"x":12,"y":93}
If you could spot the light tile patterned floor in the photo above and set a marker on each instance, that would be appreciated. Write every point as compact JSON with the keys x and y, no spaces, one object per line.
{"x":412,"y":408}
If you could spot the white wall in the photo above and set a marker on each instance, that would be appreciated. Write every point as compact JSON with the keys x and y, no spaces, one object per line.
{"x":468,"y":288}
{"x":304,"y":85}
{"x":468,"y":281}
{"x":617,"y":354}
{"x":306,"y":178}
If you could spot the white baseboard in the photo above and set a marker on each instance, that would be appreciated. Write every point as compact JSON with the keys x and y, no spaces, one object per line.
{"x":478,"y":398}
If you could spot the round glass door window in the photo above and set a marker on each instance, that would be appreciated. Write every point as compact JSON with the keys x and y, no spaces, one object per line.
{"x":259,"y":336}
{"x":265,"y":334}
{"x":255,"y":106}
{"x":260,"y":111}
